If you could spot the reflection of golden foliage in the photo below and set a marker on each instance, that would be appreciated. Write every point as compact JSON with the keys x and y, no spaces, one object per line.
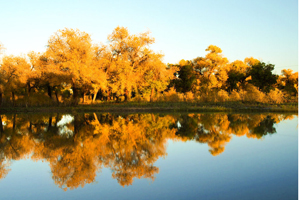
{"x":3,"y":168}
{"x":217,"y":151}
{"x":216,"y":129}
{"x":129,"y":144}
{"x":138,"y":143}
{"x":74,"y":167}
{"x":215,"y":140}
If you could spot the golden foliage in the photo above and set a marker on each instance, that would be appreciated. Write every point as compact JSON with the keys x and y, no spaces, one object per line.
{"x":72,"y":67}
{"x":223,"y":96}
{"x":276,"y":96}
{"x":234,"y":96}
{"x":251,"y":61}
{"x":14,"y":73}
{"x":189,"y":97}
{"x":254,"y":95}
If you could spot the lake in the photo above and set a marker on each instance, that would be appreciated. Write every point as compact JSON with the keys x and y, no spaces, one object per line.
{"x":149,"y":156}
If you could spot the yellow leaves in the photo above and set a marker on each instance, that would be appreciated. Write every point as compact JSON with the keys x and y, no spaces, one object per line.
{"x":289,"y":80}
{"x":223,"y":96}
{"x":126,"y":66}
{"x":238,"y":66}
{"x":251,"y":61}
{"x":296,"y":87}
{"x":275,"y":96}
{"x":248,"y":78}
{"x":254,"y":95}
{"x":287,"y":72}
{"x":119,"y":33}
{"x":133,"y":66}
{"x":234,"y":96}
{"x":70,"y":52}
{"x":214,"y":57}
{"x":211,"y":70}
{"x":213,"y":49}
{"x":14,"y":72}
{"x":172,"y":96}
{"x":189,"y":97}
{"x":183,"y":62}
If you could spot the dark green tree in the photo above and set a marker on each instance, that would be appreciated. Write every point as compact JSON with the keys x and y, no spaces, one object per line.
{"x":186,"y":79}
{"x":262,"y":76}
{"x":234,"y":79}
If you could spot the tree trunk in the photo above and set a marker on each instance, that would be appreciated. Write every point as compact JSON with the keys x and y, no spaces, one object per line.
{"x":75,"y":95}
{"x":49,"y":91}
{"x":56,"y":120}
{"x":151,"y":96}
{"x":28,"y":93}
{"x":30,"y":127}
{"x":14,"y":123}
{"x":83,"y":98}
{"x":127,"y":95}
{"x":108,"y":96}
{"x":56,"y":95}
{"x":1,"y":125}
{"x":95,"y":96}
{"x":13,"y":98}
{"x":50,"y":123}
{"x":0,"y":98}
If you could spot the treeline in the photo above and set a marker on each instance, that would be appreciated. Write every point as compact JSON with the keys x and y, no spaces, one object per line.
{"x":78,"y":146}
{"x":73,"y":70}
{"x":214,"y":78}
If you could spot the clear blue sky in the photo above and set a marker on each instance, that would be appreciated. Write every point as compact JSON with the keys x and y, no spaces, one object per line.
{"x":263,"y":29}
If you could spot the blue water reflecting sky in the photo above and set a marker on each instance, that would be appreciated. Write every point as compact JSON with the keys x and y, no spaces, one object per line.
{"x":247,"y":169}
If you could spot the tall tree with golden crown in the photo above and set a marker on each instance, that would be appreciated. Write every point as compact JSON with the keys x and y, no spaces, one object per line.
{"x":70,"y":54}
{"x":211,"y":69}
{"x":135,"y":67}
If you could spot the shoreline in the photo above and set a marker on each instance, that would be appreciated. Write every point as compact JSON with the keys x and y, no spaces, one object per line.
{"x":156,"y":107}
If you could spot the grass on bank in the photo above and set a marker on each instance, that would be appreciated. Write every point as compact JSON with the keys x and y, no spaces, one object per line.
{"x":229,"y":106}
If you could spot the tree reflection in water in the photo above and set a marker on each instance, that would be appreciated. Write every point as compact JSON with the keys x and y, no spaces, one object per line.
{"x":78,"y":146}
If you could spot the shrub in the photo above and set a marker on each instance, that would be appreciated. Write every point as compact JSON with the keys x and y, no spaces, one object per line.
{"x":173,"y":96}
{"x":222,"y":96}
{"x":276,"y":96}
{"x":254,"y":95}
{"x":189,"y":97}
{"x":234,"y":96}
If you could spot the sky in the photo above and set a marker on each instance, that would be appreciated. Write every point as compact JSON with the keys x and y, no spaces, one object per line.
{"x":263,"y":29}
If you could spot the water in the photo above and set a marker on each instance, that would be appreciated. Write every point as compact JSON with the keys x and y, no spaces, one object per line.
{"x":149,"y":156}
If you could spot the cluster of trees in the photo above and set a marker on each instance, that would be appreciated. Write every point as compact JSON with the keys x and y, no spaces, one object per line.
{"x":214,"y":78}
{"x":78,"y":146}
{"x":72,"y":68}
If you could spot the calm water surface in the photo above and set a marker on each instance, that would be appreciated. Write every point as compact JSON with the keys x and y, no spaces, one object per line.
{"x":149,"y":156}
